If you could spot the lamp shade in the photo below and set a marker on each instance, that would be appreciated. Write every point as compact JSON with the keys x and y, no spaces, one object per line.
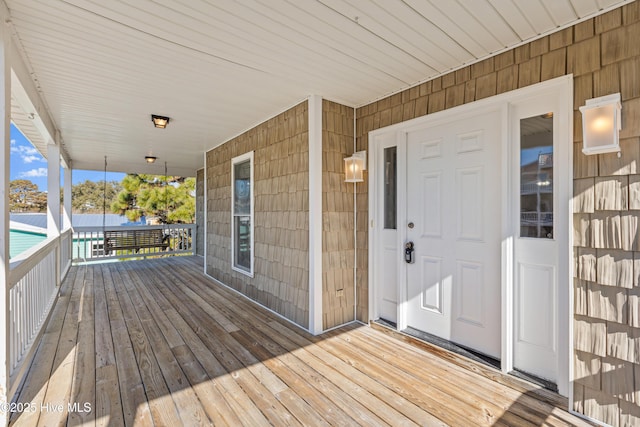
{"x":600,"y":125}
{"x":353,"y":167}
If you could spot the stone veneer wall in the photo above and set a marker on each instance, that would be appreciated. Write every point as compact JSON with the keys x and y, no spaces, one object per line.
{"x":337,"y":216}
{"x":200,"y":220}
{"x":603,"y":54}
{"x":281,"y":214}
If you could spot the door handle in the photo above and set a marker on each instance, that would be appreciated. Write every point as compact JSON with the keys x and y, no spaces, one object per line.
{"x":408,"y":252}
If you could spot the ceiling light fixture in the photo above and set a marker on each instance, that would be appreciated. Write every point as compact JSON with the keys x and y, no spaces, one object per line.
{"x":150,"y":159}
{"x":160,"y":122}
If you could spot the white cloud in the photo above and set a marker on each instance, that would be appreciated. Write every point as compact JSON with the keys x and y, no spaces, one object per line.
{"x":28,"y":154}
{"x":34,"y":173}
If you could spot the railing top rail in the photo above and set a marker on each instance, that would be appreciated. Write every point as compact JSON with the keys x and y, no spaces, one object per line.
{"x":23,"y":263}
{"x":87,"y":229}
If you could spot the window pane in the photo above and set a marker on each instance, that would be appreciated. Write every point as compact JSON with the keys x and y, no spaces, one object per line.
{"x":536,"y":176}
{"x":390,"y":188}
{"x":242,"y":188}
{"x":242,"y":230}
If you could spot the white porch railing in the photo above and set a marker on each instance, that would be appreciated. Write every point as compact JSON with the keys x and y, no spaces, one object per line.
{"x":88,"y":242}
{"x":33,"y":286}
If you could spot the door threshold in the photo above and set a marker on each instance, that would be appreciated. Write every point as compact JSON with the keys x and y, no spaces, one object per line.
{"x":544,"y":389}
{"x":549,"y":385}
{"x":453,"y":347}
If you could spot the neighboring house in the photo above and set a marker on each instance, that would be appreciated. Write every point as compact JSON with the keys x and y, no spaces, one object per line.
{"x":29,"y":229}
{"x":23,"y":237}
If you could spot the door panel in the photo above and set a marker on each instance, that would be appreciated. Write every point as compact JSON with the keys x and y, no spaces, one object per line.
{"x":536,"y":245}
{"x":388,"y":254}
{"x":453,"y":171}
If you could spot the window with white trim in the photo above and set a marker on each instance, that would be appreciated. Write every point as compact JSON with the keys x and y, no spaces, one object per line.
{"x":242,"y":213}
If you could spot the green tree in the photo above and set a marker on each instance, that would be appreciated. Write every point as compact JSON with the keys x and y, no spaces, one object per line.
{"x":24,"y":196}
{"x":89,"y":196}
{"x":171,"y":198}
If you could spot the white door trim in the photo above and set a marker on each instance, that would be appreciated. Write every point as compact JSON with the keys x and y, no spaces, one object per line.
{"x":562,"y":87}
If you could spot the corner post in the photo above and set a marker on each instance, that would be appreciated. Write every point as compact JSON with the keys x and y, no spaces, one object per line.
{"x":5,"y":156}
{"x":315,"y":215}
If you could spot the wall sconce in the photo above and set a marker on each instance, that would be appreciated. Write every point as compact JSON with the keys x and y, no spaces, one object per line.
{"x":601,"y":122}
{"x":150,"y":159}
{"x":354,"y":165}
{"x":160,"y":122}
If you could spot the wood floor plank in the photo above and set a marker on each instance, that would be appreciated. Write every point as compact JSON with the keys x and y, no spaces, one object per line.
{"x":135,"y":408}
{"x":163,"y":410}
{"x":156,"y":342}
{"x":54,"y":406}
{"x":83,"y":386}
{"x":186,"y":401}
{"x":385,"y":409}
{"x":304,"y":364}
{"x":217,"y":341}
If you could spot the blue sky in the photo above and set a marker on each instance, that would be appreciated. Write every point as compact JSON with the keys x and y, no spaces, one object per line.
{"x":27,"y":163}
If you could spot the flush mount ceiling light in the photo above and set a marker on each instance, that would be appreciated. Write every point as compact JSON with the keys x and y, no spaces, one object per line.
{"x":150,"y":159}
{"x":160,"y":122}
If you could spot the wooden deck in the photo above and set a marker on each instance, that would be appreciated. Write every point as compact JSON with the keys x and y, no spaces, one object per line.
{"x":157,"y":343}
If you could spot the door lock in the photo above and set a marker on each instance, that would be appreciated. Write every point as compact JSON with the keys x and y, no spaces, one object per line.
{"x":408,"y":252}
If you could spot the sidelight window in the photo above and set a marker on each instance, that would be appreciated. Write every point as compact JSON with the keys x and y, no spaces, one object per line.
{"x":536,"y":176}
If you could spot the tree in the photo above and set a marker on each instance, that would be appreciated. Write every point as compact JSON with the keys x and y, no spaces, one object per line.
{"x":24,"y":196}
{"x":171,"y":198}
{"x":89,"y":196}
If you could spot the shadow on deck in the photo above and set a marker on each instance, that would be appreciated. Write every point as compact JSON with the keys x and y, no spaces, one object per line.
{"x":158,"y":343}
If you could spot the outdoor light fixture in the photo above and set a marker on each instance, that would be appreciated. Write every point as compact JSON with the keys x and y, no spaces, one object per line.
{"x":601,"y":122}
{"x":150,"y":159}
{"x":160,"y":122}
{"x":354,"y":165}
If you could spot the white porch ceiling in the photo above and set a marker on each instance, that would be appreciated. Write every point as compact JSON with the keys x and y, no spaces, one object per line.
{"x":219,"y":67}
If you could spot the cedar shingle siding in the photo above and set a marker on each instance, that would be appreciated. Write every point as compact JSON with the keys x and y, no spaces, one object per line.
{"x":603,"y":54}
{"x":281,"y":197}
{"x":337,"y":216}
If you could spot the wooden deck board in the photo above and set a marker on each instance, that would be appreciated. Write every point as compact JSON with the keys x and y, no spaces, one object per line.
{"x":156,"y":342}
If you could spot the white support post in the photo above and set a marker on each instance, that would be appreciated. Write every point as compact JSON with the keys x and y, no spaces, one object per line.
{"x":67,"y":219}
{"x":5,"y":153}
{"x":53,"y":190}
{"x":315,"y":215}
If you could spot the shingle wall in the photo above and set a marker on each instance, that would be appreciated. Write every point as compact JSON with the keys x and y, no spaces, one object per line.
{"x":281,"y":175}
{"x":337,"y":216}
{"x":603,"y":54}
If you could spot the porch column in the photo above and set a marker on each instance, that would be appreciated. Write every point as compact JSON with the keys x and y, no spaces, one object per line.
{"x":315,"y":215}
{"x":53,"y":190}
{"x":68,"y":172}
{"x":5,"y":153}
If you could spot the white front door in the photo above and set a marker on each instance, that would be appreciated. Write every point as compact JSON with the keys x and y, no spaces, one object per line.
{"x":539,"y":224}
{"x":453,"y":217}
